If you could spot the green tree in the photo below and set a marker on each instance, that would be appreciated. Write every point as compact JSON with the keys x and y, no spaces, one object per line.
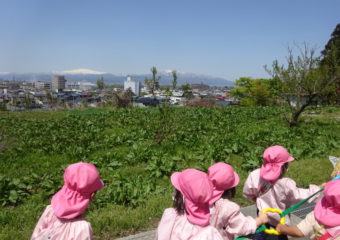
{"x":330,"y":57}
{"x":168,"y":92}
{"x":27,"y":101}
{"x":332,"y":48}
{"x":155,"y":79}
{"x":303,"y":80}
{"x":260,"y":93}
{"x":50,"y":99}
{"x":15,"y":100}
{"x":149,"y":83}
{"x":101,"y":83}
{"x":186,"y":88}
{"x":174,"y":81}
{"x":256,"y":92}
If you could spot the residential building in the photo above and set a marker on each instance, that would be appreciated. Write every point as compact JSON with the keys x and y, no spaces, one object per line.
{"x":73,"y":85}
{"x":133,"y":85}
{"x":42,"y":85}
{"x":58,"y":83}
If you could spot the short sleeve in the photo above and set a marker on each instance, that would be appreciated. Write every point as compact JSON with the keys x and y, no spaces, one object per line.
{"x":307,"y":225}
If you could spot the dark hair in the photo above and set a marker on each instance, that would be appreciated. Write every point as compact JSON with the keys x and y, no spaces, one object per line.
{"x":229,"y":193}
{"x":284,"y":169}
{"x":178,"y":202}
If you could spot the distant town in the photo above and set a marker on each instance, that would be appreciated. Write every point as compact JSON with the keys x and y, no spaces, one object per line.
{"x":60,"y":93}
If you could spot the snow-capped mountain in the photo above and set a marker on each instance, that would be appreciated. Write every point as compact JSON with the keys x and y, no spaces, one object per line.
{"x":82,"y":71}
{"x":88,"y":75}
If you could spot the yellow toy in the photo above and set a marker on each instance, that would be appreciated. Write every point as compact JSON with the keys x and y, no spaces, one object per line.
{"x":282,"y":220}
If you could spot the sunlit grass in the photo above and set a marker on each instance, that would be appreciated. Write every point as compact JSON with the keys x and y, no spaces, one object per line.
{"x":124,"y":147}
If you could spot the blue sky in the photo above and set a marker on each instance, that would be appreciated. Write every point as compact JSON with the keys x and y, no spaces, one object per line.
{"x":221,"y":38}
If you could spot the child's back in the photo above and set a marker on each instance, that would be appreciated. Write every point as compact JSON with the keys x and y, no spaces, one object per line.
{"x":228,"y":219}
{"x":225,"y":214}
{"x":281,"y":195}
{"x":53,"y":228}
{"x":174,"y":226}
{"x":267,"y":187}
{"x":64,"y":218}
{"x":190,"y":217}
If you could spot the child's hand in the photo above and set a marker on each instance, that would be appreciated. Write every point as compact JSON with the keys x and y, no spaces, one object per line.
{"x":279,"y":227}
{"x":263,"y":218}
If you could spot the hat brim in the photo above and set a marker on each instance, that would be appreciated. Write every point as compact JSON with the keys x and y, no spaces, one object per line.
{"x":290,"y":159}
{"x":236,"y":180}
{"x":217,"y":194}
{"x":102,"y":184}
{"x":174,"y":180}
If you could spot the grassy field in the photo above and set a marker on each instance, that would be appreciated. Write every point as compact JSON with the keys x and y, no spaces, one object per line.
{"x":136,"y":150}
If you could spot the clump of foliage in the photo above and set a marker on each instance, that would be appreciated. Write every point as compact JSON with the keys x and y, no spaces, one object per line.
{"x":137,"y":149}
{"x":257,"y":92}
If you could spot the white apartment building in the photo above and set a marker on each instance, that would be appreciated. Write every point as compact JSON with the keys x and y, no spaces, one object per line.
{"x":132,"y":84}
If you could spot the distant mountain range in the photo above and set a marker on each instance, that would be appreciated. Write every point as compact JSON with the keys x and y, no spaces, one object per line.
{"x":87,"y":75}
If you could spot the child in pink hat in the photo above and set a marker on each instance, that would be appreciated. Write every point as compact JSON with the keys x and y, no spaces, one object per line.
{"x":64,"y":218}
{"x":269,"y":189}
{"x":225,"y":214}
{"x":324,"y":222}
{"x":190,"y":216}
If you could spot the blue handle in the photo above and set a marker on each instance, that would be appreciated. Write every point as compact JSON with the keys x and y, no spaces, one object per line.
{"x":336,"y":178}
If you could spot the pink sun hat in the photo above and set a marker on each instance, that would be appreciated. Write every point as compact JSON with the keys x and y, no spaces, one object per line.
{"x":197,"y":189}
{"x":327,"y":210}
{"x":274,"y":157}
{"x":222,"y":177}
{"x":80,"y":181}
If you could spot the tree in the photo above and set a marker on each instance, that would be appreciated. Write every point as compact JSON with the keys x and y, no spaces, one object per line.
{"x":168,"y":92}
{"x":27,"y":101}
{"x":186,"y":88}
{"x":303,"y":79}
{"x":122,"y":100}
{"x":100,"y":83}
{"x":256,"y":92}
{"x":260,"y":93}
{"x":332,"y":48}
{"x":331,"y":58}
{"x":50,"y":99}
{"x":155,"y":79}
{"x":244,"y":86}
{"x":153,"y":84}
{"x":148,"y":82}
{"x":15,"y":100}
{"x":174,"y":81}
